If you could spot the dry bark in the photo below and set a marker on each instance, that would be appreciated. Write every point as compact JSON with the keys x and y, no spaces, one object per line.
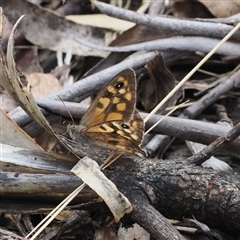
{"x":173,"y":188}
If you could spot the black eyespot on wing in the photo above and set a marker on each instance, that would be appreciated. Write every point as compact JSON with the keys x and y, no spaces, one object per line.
{"x":119,"y":85}
{"x":124,"y":126}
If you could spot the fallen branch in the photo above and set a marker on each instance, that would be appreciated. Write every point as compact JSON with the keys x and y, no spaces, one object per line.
{"x":173,"y":188}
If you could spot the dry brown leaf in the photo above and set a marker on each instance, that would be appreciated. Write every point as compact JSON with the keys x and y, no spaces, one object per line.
{"x":133,"y":233}
{"x":12,"y":134}
{"x":101,"y":21}
{"x":43,"y":83}
{"x":222,"y":9}
{"x":106,"y":233}
{"x":90,"y":173}
{"x":155,"y":85}
{"x":205,"y":8}
{"x":190,"y":9}
{"x":45,"y":28}
{"x":7,"y":103}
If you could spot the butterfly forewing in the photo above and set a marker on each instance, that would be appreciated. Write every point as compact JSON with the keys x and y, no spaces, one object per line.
{"x":112,"y":121}
{"x":116,"y":101}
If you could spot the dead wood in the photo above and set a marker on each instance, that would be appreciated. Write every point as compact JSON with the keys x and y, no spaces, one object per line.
{"x":207,"y":152}
{"x":58,"y":27}
{"x":96,"y":80}
{"x":173,"y":188}
{"x":33,"y":182}
{"x":182,"y":26}
{"x":190,"y":44}
{"x":186,"y":129}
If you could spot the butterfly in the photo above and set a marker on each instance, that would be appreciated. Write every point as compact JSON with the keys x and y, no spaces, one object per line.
{"x":112,"y":121}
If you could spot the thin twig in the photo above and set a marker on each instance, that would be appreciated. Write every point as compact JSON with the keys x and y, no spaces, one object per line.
{"x":190,"y":44}
{"x":96,"y":81}
{"x":214,"y":94}
{"x":182,"y":27}
{"x":208,"y":151}
{"x":180,"y":84}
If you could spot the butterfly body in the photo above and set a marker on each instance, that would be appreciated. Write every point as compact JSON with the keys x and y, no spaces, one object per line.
{"x":112,"y":121}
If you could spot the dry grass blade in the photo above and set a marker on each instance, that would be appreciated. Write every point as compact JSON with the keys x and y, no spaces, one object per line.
{"x":12,"y":83}
{"x":48,"y":219}
{"x":186,"y":78}
{"x":169,"y":113}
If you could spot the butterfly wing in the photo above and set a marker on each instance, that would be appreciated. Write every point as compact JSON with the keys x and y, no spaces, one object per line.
{"x":112,"y":121}
{"x":119,"y":135}
{"x":115,"y":102}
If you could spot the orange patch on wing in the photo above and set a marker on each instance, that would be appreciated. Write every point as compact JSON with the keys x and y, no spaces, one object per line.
{"x":135,"y":124}
{"x":121,"y":106}
{"x":116,"y":100}
{"x":122,"y":79}
{"x":114,"y":116}
{"x":111,"y":89}
{"x":98,"y":119}
{"x":98,"y":129}
{"x":104,"y":101}
{"x":128,"y":96}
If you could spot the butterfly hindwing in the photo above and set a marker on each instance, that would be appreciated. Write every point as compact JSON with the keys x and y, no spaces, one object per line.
{"x":119,"y":135}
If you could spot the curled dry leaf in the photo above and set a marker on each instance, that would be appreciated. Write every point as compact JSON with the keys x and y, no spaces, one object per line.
{"x":222,"y":9}
{"x":12,"y":83}
{"x":49,"y":30}
{"x":89,"y":171}
{"x":154,"y":87}
{"x":12,"y":134}
{"x":205,"y":8}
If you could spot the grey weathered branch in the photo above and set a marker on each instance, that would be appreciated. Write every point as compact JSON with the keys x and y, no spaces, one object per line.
{"x":181,"y":26}
{"x":96,"y":81}
{"x":228,"y":82}
{"x":186,"y":129}
{"x":190,"y":44}
{"x":174,"y":188}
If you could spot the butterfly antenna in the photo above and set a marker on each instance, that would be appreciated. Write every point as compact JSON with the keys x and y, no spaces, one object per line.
{"x":66,"y":109}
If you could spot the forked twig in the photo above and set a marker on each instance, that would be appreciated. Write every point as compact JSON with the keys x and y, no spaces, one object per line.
{"x":208,"y":151}
{"x":180,"y":84}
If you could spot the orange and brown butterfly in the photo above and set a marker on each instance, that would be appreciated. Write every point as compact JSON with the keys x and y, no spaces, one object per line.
{"x":112,"y":121}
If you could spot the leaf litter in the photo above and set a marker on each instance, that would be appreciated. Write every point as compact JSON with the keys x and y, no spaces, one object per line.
{"x":61,"y":38}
